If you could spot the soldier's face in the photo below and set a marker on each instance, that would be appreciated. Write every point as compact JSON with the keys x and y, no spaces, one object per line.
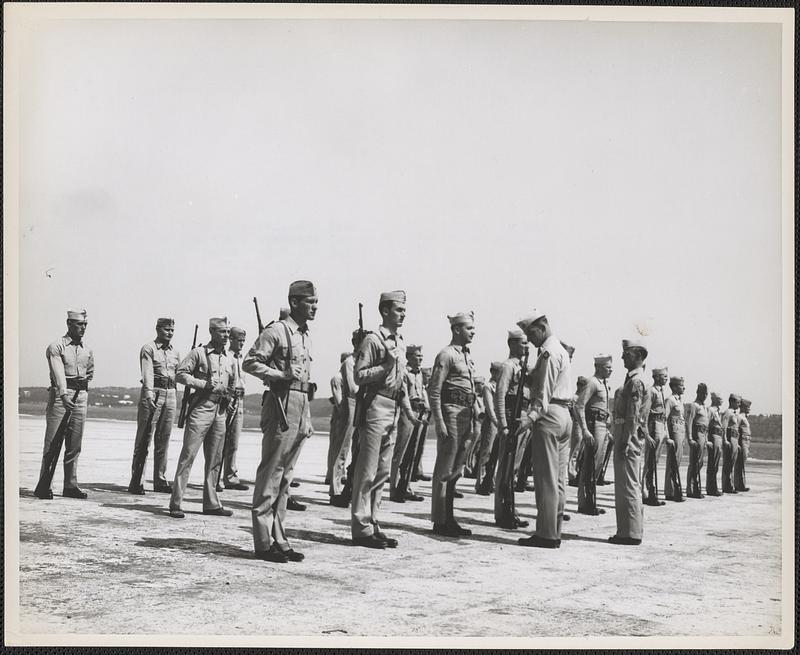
{"x":219,"y":335}
{"x":415,"y":360}
{"x":536,"y":334}
{"x":603,"y":371}
{"x":628,"y":360}
{"x":701,"y":396}
{"x":716,"y":401}
{"x":466,"y":332}
{"x":681,"y":387}
{"x":237,"y":343}
{"x":734,"y":403}
{"x":517,"y":347}
{"x":745,"y":409}
{"x":165,"y":332}
{"x":660,"y":379}
{"x":395,"y":315}
{"x":76,"y":329}
{"x":305,"y":308}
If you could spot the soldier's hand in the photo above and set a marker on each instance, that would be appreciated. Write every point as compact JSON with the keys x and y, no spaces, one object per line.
{"x":441,"y":429}
{"x":67,"y":402}
{"x":392,"y":354}
{"x":525,"y":424}
{"x":631,"y":449}
{"x":587,"y":435}
{"x":219,"y":389}
{"x":651,"y":442}
{"x":294,"y":372}
{"x":150,"y":402}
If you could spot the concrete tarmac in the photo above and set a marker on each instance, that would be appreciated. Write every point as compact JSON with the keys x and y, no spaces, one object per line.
{"x":118,"y":564}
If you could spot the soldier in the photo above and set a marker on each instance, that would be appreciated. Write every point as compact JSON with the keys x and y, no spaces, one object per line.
{"x":414,"y":404}
{"x":235,"y":415}
{"x":158,"y":361}
{"x":508,"y":381}
{"x":71,"y":366}
{"x":714,"y":445}
{"x":697,"y":420}
{"x":281,"y":357}
{"x":471,"y":464}
{"x":739,"y":473}
{"x":341,"y":497}
{"x":730,"y":442}
{"x":592,"y":410}
{"x":657,"y":435}
{"x":487,"y":451}
{"x":452,"y":396}
{"x":337,"y":458}
{"x":576,"y":437}
{"x":630,"y":425}
{"x":551,"y":425}
{"x":676,"y":434}
{"x":208,"y":370}
{"x":379,"y":371}
{"x":418,"y":474}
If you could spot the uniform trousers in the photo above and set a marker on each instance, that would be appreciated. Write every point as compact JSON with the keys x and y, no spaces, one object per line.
{"x":159,"y":433}
{"x":376,"y":434}
{"x":487,"y":439}
{"x":451,"y":453}
{"x":591,"y":462}
{"x":73,"y":436}
{"x":697,"y":449}
{"x":279,"y":453}
{"x":658,"y":432}
{"x":205,"y":426}
{"x":230,"y":469}
{"x":405,"y":428}
{"x":550,"y":444}
{"x":739,"y":473}
{"x":628,"y":491}
{"x":730,"y":453}
{"x":675,"y":442}
{"x":504,"y":481}
{"x":341,"y":438}
{"x":714,"y":448}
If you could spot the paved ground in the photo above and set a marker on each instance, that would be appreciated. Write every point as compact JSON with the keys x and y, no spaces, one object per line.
{"x":118,"y":564}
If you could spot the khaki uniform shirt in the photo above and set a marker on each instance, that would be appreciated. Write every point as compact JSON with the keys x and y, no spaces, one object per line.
{"x":68,"y":359}
{"x":508,"y":380}
{"x":551,"y":376}
{"x":157,"y":360}
{"x":267,"y":359}
{"x":369,"y":369}
{"x":205,"y":363}
{"x":594,"y":395}
{"x":452,"y":369}
{"x":631,"y":408}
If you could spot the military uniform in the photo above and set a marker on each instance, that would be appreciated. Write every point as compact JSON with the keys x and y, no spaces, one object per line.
{"x":739,"y":473}
{"x":697,"y":420}
{"x":594,"y":413}
{"x":71,"y":366}
{"x":575,"y":439}
{"x":714,"y":446}
{"x":158,"y":362}
{"x":282,"y":347}
{"x":334,"y":450}
{"x":204,"y":369}
{"x":676,"y":435}
{"x":234,"y":421}
{"x":730,"y":445}
{"x":487,"y":449}
{"x":657,"y":429}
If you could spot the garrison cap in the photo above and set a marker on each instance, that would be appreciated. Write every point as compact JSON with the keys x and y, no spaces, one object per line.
{"x":570,"y":349}
{"x":735,"y":396}
{"x":715,"y":396}
{"x":633,"y":343}
{"x":413,"y":350}
{"x":461,"y":317}
{"x":302,"y":288}
{"x":165,"y":322}
{"x":676,"y":379}
{"x":283,"y":314}
{"x":479,"y":379}
{"x":746,"y":403}
{"x":660,"y":371}
{"x":343,"y":356}
{"x":702,"y":387}
{"x":495,"y":367}
{"x":602,"y":359}
{"x":237,"y":331}
{"x":218,"y":322}
{"x":393,"y":296}
{"x":582,"y":381}
{"x":76,"y":314}
{"x":516,"y":333}
{"x":526,"y":321}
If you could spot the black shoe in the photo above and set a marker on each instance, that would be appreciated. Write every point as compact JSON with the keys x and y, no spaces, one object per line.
{"x":293,"y":556}
{"x":654,"y":502}
{"x":742,"y":488}
{"x":624,"y":541}
{"x":45,"y":495}
{"x":397,"y":498}
{"x":380,"y":536}
{"x":237,"y":486}
{"x":572,"y":483}
{"x":457,"y":494}
{"x":295,"y":506}
{"x":529,"y":486}
{"x":176,"y":513}
{"x":293,"y":483}
{"x":423,"y":477}
{"x":602,"y":483}
{"x":74,"y":492}
{"x":339,"y":501}
{"x":695,"y":496}
{"x":520,"y":523}
{"x":507,"y":524}
{"x":136,"y":491}
{"x":482,"y":490}
{"x":410,"y":495}
{"x":463,"y":532}
{"x":163,"y":489}
{"x":219,"y":511}
{"x":272,"y":555}
{"x":519,"y":487}
{"x":565,"y":517}
{"x":220,"y":488}
{"x":716,"y":495}
{"x":592,"y":512}
{"x":446,"y":530}
{"x":675,"y":499}
{"x":540,"y":542}
{"x":369,"y":542}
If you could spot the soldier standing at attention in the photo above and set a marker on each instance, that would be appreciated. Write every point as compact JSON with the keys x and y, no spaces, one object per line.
{"x":71,"y":366}
{"x":551,"y":424}
{"x":487,"y":452}
{"x":341,"y":495}
{"x":592,"y":409}
{"x":676,"y":434}
{"x":739,"y":473}
{"x":630,"y":424}
{"x":334,"y":435}
{"x":576,"y":437}
{"x":696,"y":433}
{"x":657,"y":432}
{"x":158,"y":361}
{"x":414,"y":401}
{"x":281,"y":357}
{"x":208,"y":370}
{"x":714,"y":445}
{"x":730,"y":442}
{"x":508,"y":381}
{"x":235,"y":418}
{"x":452,"y":396}
{"x":379,"y":371}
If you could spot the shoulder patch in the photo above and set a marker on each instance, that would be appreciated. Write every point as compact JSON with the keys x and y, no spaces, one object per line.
{"x":545,"y":354}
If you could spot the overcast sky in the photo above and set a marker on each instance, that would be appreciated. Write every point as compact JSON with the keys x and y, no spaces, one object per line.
{"x":620,"y":177}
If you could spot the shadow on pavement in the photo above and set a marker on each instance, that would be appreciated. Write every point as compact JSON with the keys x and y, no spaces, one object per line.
{"x":319,"y":537}
{"x":106,"y":486}
{"x":197,"y":546}
{"x":575,"y":537}
{"x":158,"y":510}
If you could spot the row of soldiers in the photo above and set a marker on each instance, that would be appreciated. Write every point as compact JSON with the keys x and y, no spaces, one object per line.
{"x":384,"y":407}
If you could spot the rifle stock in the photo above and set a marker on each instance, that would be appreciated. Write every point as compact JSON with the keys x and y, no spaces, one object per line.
{"x":258,"y":316}
{"x":51,"y":457}
{"x":187,"y":392}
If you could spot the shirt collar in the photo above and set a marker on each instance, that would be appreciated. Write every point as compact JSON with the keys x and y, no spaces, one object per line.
{"x":162,"y":346}
{"x":69,"y":341}
{"x":294,"y":327}
{"x":387,"y":334}
{"x":209,"y":349}
{"x":637,"y":372}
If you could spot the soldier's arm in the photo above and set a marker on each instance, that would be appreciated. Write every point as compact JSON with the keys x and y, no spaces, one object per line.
{"x":425,"y":399}
{"x":441,"y":368}
{"x":146,"y":365}
{"x":258,"y":361}
{"x":488,"y":403}
{"x":544,"y":380}
{"x":336,"y":390}
{"x":580,"y":404}
{"x":347,"y":374}
{"x":56,"y":365}
{"x":90,"y":366}
{"x":186,"y":368}
{"x":366,"y":370}
{"x":405,"y":396}
{"x":633,"y":409}
{"x":689,"y":420}
{"x":503,"y":382}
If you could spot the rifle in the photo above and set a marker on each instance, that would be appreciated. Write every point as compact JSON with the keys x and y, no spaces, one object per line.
{"x":187,"y":391}
{"x":407,"y":465}
{"x":362,"y":392}
{"x":232,"y":412}
{"x":258,"y":316}
{"x":511,"y":448}
{"x":283,"y":421}
{"x":52,"y":454}
{"x":138,"y":468}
